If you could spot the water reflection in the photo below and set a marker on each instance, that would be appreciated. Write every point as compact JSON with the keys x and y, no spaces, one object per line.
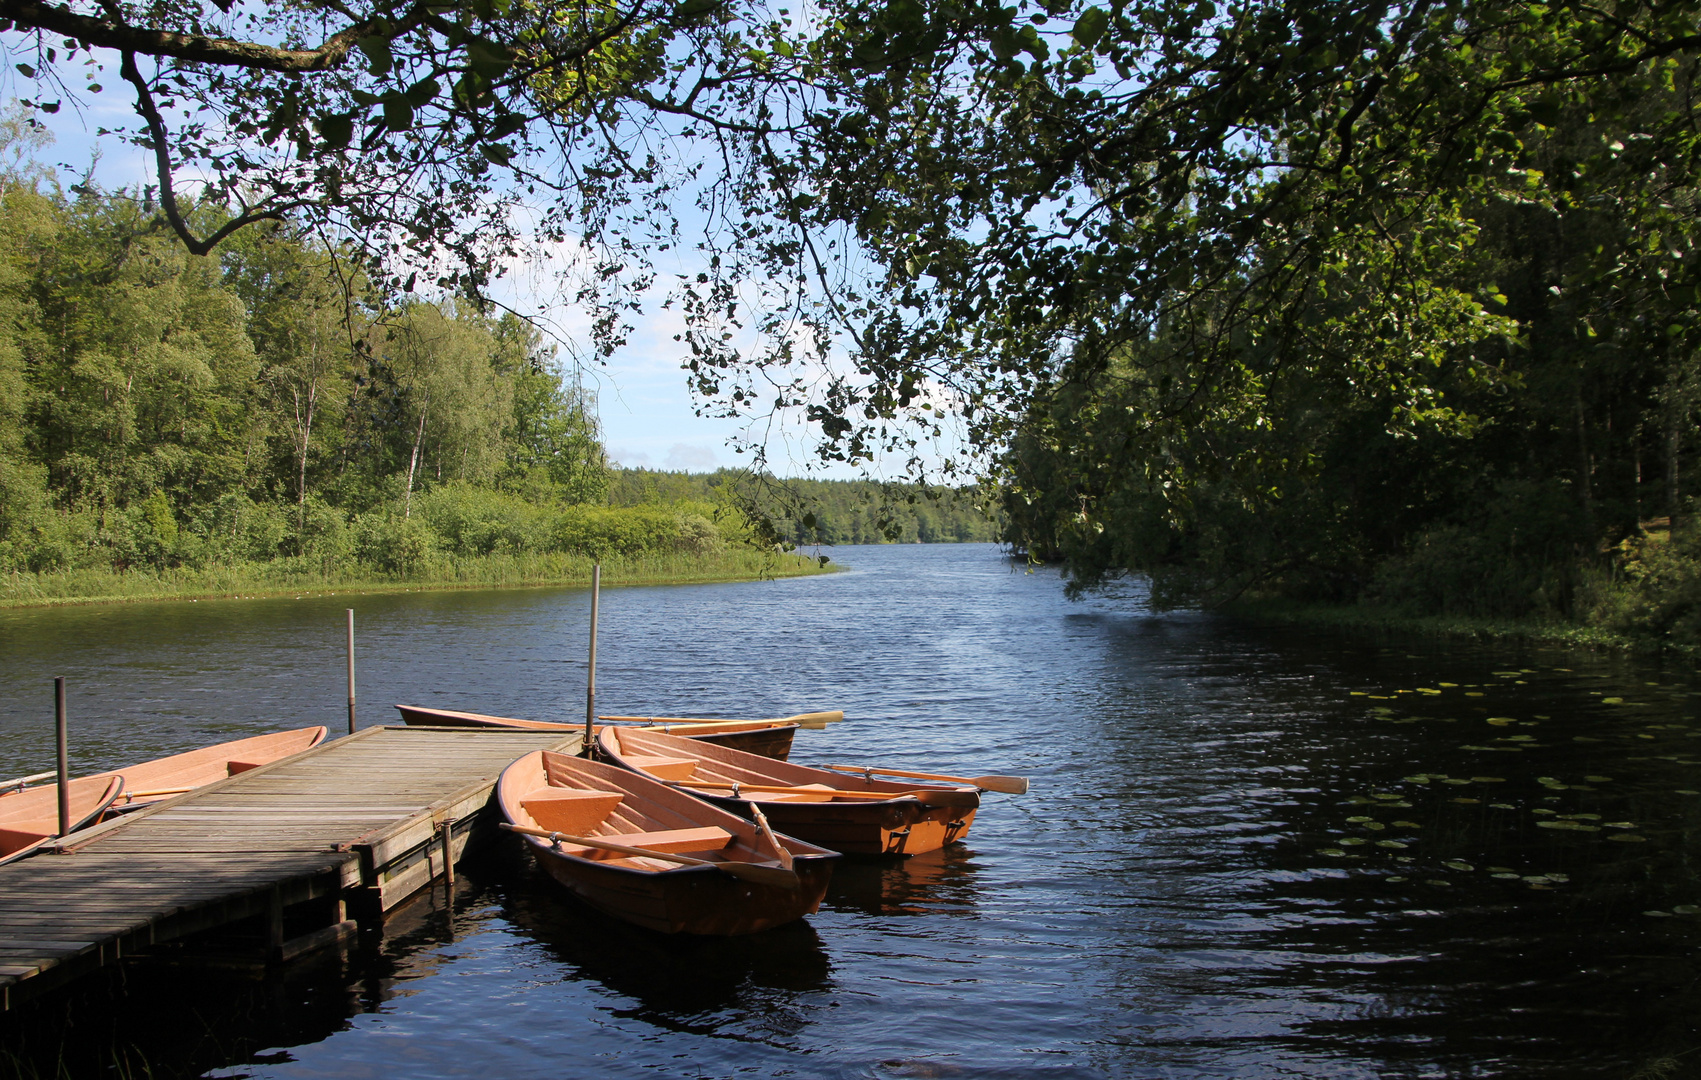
{"x":677,"y":983}
{"x":939,"y":882}
{"x":1248,"y":851}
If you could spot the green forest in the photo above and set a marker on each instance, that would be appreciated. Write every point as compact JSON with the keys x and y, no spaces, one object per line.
{"x":810,"y":512}
{"x":263,"y":415}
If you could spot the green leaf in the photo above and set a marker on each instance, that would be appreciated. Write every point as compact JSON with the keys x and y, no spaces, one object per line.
{"x":488,"y":59}
{"x":398,"y":114}
{"x":28,"y":72}
{"x":336,"y":129}
{"x":1090,"y":26}
{"x":421,"y":92}
{"x":378,"y":57}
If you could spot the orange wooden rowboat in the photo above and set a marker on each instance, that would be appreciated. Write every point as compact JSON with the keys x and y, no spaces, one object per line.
{"x":167,"y":777}
{"x":30,"y":818}
{"x":769,"y":738}
{"x":829,"y":808}
{"x":556,"y":794}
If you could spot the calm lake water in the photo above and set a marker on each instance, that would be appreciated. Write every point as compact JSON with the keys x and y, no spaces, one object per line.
{"x":1248,"y":852}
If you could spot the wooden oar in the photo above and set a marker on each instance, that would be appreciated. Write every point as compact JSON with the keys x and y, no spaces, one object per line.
{"x":755,"y":873}
{"x":132,"y":796}
{"x":808,"y":719}
{"x":9,"y":786}
{"x":768,"y":834}
{"x":927,"y":798}
{"x":1009,"y":785}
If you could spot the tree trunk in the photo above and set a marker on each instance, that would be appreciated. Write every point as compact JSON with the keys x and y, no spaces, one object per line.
{"x":1674,"y":444}
{"x":1585,"y":467}
{"x":413,"y":462}
{"x":303,"y":424}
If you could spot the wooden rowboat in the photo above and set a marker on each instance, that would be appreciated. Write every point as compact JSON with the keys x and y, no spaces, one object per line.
{"x":843,"y":812}
{"x":571,"y":798}
{"x":167,"y":777}
{"x":769,"y":738}
{"x":28,"y":819}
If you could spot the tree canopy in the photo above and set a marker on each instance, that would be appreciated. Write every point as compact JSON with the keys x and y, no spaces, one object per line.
{"x":1192,"y":278}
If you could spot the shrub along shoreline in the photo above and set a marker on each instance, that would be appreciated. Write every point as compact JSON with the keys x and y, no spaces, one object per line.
{"x":294,"y":577}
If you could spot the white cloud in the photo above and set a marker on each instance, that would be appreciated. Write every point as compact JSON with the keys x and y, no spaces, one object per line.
{"x":690,"y":458}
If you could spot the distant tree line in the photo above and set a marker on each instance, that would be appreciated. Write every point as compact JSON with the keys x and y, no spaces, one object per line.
{"x":811,"y":512}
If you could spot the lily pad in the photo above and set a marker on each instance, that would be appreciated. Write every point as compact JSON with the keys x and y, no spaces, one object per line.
{"x":1354,"y":841}
{"x":1612,"y":701}
{"x":1686,"y":791}
{"x":1502,"y":806}
{"x":1407,"y":825}
{"x":1438,"y":881}
{"x":1375,"y":826}
{"x":1658,"y":914}
{"x":1628,"y":838}
{"x":1359,"y":819}
{"x":1447,"y":684}
{"x":1506,"y":876}
{"x":1467,"y":802}
{"x":1685,"y":909}
{"x":1501,"y":870}
{"x":1330,"y":851}
{"x":1619,"y":825}
{"x":1598,"y":779}
{"x":1383,"y":795}
{"x":1456,"y":782}
{"x":1572,"y":826}
{"x":1395,"y":880}
{"x":1501,"y":721}
{"x":1488,"y":779}
{"x":1473,"y":693}
{"x":1454,"y":864}
{"x":1395,"y":844}
{"x":1544,"y":811}
{"x":1581,"y":817}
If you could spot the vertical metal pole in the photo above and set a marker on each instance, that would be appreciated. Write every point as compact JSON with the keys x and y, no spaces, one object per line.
{"x":351,"y":671}
{"x":448,"y":836}
{"x":591,"y":684}
{"x":64,"y":755}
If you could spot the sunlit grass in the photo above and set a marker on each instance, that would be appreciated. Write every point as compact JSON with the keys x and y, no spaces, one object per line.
{"x":292,"y":577}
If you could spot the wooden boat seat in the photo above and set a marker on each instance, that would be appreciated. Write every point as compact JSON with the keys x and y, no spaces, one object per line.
{"x":706,"y":838}
{"x":664,"y":768}
{"x":570,"y":810}
{"x":807,"y":793}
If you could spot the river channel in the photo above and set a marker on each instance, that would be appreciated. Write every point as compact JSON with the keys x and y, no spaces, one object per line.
{"x":1247,"y":852}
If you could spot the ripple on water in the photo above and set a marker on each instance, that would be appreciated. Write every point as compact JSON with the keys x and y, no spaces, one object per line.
{"x":1248,"y":852}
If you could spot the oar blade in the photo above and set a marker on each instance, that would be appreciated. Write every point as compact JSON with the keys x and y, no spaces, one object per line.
{"x":966,"y":800}
{"x":761,"y":874}
{"x":817,"y":721}
{"x":1005,"y":785}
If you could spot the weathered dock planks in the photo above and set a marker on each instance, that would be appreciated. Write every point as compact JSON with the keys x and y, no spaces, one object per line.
{"x":353,"y":826}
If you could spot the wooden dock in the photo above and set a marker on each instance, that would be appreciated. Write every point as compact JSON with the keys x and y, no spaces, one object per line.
{"x":298,"y":850}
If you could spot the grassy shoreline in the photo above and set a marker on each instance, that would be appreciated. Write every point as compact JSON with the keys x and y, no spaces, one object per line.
{"x":1366,"y":617}
{"x":290,"y":577}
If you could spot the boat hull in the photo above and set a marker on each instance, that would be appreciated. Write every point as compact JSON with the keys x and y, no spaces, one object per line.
{"x":690,"y":900}
{"x":897,"y":826}
{"x":29,"y":819}
{"x":902,"y":827}
{"x":767,"y":740}
{"x":658,"y":896}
